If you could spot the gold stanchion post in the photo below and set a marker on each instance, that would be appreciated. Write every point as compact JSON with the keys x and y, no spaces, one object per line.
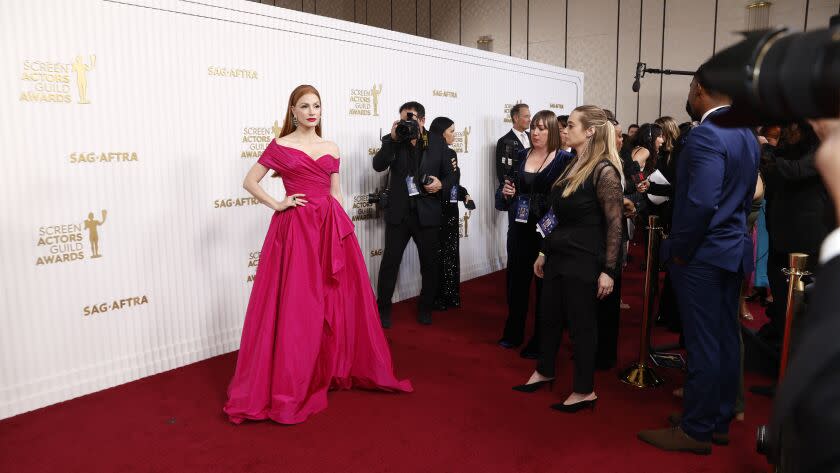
{"x":640,"y":374}
{"x":796,"y":270}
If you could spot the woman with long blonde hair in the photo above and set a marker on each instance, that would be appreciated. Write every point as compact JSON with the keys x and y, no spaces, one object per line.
{"x":579,"y":260}
{"x":312,"y":324}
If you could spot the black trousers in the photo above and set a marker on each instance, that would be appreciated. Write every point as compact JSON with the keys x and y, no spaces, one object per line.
{"x":609,"y":311}
{"x":522,"y":247}
{"x":571,"y":302}
{"x":427,"y":240}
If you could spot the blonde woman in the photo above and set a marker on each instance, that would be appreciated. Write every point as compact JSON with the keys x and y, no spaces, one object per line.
{"x":579,"y":260}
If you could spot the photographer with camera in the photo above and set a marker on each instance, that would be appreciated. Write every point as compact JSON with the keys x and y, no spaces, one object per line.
{"x":805,"y":409}
{"x":412,"y":206}
{"x":799,"y":214}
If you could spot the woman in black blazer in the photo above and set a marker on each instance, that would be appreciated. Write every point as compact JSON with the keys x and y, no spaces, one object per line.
{"x":524,"y":195}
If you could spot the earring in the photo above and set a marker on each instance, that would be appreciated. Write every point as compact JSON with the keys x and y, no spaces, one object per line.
{"x":294,"y":121}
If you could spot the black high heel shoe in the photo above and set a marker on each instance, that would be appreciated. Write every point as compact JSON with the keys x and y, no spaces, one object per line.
{"x":530,"y":388}
{"x":578,"y":406}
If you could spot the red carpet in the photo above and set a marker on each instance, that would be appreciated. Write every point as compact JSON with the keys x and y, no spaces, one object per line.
{"x":463,"y":416}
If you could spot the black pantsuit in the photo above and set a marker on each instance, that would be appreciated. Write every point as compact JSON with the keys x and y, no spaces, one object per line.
{"x":585,"y":244}
{"x":573,"y":304}
{"x":609,"y":314}
{"x":523,"y":245}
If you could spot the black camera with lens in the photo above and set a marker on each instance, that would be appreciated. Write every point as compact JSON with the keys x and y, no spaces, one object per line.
{"x":407,"y":129}
{"x":380,"y":198}
{"x":509,"y":160}
{"x":775,"y":77}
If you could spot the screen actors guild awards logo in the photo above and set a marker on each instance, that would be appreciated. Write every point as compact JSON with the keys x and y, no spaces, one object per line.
{"x":365,"y":101}
{"x":50,"y":81}
{"x":462,"y":143}
{"x":65,"y":242}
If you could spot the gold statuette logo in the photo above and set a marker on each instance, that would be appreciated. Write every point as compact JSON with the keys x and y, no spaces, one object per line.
{"x":92,"y":225}
{"x":46,"y":81}
{"x":464,"y":225}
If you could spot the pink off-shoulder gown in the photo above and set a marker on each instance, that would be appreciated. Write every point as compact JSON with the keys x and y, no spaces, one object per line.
{"x":312,"y":323}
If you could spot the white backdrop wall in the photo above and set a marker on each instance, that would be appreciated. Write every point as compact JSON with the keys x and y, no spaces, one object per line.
{"x":131,"y":124}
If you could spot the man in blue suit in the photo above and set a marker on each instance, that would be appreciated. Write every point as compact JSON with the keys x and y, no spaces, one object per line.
{"x":709,"y":250}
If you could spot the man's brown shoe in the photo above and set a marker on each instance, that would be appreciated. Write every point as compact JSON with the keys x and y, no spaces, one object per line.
{"x":675,"y":440}
{"x":675,"y":419}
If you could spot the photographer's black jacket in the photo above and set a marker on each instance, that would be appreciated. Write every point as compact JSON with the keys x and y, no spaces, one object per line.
{"x":398,"y":156}
{"x":799,"y":212}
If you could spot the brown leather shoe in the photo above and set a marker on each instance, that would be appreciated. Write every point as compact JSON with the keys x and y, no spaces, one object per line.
{"x":675,"y":419}
{"x":675,"y":440}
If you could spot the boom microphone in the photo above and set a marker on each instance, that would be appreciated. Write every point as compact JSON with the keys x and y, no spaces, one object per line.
{"x":636,"y":83}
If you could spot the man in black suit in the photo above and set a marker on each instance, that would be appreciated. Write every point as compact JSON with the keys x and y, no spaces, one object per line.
{"x":413,"y":211}
{"x":514,"y":141}
{"x":807,"y":400}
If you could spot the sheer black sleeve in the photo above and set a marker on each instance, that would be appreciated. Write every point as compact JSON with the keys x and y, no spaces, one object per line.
{"x":611,"y":198}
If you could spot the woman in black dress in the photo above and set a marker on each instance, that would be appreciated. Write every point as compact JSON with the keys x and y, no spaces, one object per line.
{"x":579,"y":260}
{"x":524,"y":195}
{"x":449,"y":264}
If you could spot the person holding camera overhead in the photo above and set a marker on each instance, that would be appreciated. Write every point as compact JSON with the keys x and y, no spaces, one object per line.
{"x":419,"y":171}
{"x":524,"y":195}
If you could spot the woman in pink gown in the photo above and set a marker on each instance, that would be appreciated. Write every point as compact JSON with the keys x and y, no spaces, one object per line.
{"x":312,"y":324}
